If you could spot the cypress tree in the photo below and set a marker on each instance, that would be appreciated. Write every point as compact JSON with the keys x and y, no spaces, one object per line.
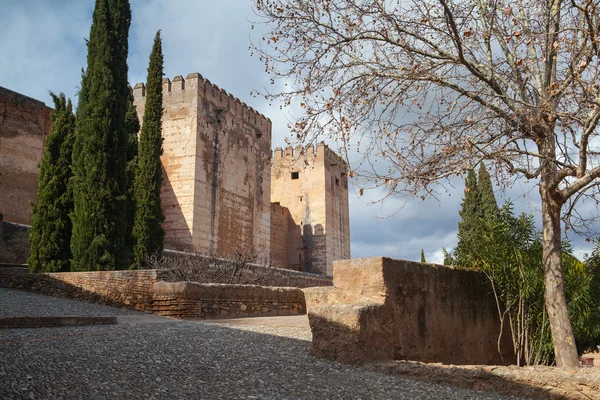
{"x":489,"y":207}
{"x":51,"y":227}
{"x":147,"y":230}
{"x":132,"y":127}
{"x":469,"y":226}
{"x":120,"y":12}
{"x":423,"y":256}
{"x":100,"y":236}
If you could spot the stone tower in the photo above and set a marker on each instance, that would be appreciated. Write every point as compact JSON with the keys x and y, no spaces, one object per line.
{"x":24,"y":125}
{"x":216,"y":164}
{"x":313,"y":186}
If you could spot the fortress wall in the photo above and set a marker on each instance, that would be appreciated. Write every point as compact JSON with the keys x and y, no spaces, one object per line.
{"x":318,"y":205}
{"x":338,"y":216}
{"x":178,"y":160}
{"x":217,"y":168}
{"x":280,"y":222}
{"x":14,"y":242}
{"x":298,"y":182}
{"x":233,"y":173}
{"x":24,"y":124}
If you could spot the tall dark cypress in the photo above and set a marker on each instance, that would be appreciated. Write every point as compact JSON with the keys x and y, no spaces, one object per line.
{"x":51,"y":227}
{"x":120,"y":12}
{"x":489,"y":206}
{"x":147,"y":231}
{"x":132,"y":127}
{"x":469,"y":226}
{"x":100,"y":236}
{"x":423,"y":260}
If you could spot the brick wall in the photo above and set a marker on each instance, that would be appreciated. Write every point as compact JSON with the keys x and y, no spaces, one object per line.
{"x":24,"y":124}
{"x":14,"y":242}
{"x":132,"y":289}
{"x":201,"y":300}
{"x":145,"y":290}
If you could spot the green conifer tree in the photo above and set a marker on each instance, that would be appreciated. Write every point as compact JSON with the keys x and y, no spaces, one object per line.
{"x":423,"y":256}
{"x":469,"y":226}
{"x":489,"y":206}
{"x":100,"y":236}
{"x":51,"y":227}
{"x":132,"y":127}
{"x":147,"y":229}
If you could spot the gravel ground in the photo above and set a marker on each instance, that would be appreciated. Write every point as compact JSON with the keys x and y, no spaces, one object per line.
{"x":187,"y":360}
{"x":15,"y":303}
{"x":176,"y":360}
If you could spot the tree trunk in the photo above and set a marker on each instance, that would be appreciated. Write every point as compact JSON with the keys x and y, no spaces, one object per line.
{"x":563,"y":340}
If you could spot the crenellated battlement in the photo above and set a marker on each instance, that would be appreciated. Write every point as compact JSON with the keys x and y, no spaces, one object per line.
{"x":195,"y":81}
{"x":290,"y":154}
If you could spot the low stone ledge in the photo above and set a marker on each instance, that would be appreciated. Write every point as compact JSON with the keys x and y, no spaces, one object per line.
{"x":198,"y":300}
{"x":143,"y":290}
{"x":14,"y":268}
{"x":325,"y":295}
{"x":51,"y":322}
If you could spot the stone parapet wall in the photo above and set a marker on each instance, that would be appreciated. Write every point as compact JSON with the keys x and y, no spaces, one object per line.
{"x":381,"y":308}
{"x":131,"y":289}
{"x":14,"y":242}
{"x":144,"y":290}
{"x":201,"y":300}
{"x":249,"y":274}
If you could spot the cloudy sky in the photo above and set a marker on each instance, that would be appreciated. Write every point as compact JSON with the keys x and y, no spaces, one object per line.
{"x":42,"y":43}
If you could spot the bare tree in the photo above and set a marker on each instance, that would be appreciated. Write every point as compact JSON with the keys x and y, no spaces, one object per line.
{"x":249,"y":267}
{"x":426,"y":89}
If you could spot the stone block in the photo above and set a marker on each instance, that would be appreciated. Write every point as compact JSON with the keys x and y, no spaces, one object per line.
{"x":352,"y":333}
{"x":405,"y":310}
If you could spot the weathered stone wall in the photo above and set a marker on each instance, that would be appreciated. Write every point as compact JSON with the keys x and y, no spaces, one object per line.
{"x":248,"y":274}
{"x":201,"y":300}
{"x":313,"y":185}
{"x":280,"y":217}
{"x":178,"y":160}
{"x":132,"y":289}
{"x":144,"y":290}
{"x":381,"y":308}
{"x":24,"y":124}
{"x":217,"y":168}
{"x":14,"y":242}
{"x":337,"y":225}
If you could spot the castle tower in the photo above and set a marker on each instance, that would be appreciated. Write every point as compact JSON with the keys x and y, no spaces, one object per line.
{"x":24,"y":126}
{"x":313,"y":186}
{"x":216,"y":160}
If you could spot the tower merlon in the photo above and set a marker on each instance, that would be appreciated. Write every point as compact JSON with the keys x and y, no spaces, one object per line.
{"x":166,"y":85}
{"x":139,"y":90}
{"x":178,"y":83}
{"x":196,"y":80}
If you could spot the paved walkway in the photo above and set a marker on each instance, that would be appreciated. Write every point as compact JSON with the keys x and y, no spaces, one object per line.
{"x":180,"y":360}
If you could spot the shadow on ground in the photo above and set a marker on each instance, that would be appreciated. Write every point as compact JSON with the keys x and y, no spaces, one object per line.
{"x":194,"y":359}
